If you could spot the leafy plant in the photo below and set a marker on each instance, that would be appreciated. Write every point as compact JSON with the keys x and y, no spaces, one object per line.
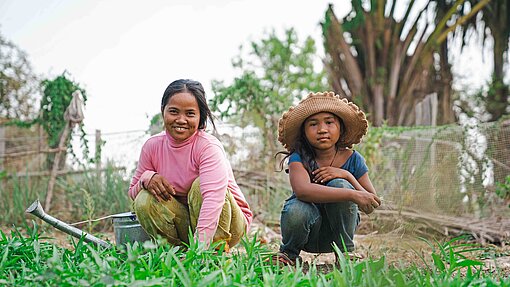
{"x":503,"y":189}
{"x":57,"y":96}
{"x":19,"y":86}
{"x":34,"y":260}
{"x":276,"y":73}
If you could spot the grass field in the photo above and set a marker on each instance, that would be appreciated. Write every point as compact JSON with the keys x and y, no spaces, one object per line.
{"x":31,"y":259}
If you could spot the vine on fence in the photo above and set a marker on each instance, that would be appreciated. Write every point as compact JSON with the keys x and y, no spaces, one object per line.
{"x":57,"y":94}
{"x":503,"y":189}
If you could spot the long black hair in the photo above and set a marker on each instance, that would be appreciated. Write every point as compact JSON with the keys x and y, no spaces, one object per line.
{"x":306,"y":150}
{"x":197,"y":90}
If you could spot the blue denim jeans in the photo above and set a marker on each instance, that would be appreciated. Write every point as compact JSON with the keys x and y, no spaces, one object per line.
{"x":314,"y":227}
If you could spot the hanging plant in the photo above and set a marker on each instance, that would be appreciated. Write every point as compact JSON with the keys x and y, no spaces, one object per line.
{"x":57,"y":94}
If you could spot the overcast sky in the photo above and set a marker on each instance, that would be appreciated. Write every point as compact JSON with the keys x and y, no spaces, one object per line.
{"x":124,"y":53}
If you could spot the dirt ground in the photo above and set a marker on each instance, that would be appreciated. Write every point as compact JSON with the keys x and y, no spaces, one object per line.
{"x":398,"y":249}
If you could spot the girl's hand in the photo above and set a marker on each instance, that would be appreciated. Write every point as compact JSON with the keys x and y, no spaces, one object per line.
{"x":367,"y":201}
{"x":327,"y":173}
{"x":160,"y":188}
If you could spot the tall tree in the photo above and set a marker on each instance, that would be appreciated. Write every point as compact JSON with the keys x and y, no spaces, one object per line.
{"x":276,"y":73}
{"x":496,"y":16}
{"x":19,"y":86}
{"x":387,"y":65}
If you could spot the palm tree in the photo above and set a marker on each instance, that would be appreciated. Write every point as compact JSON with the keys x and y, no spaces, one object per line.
{"x":388,"y":65}
{"x":496,"y":17}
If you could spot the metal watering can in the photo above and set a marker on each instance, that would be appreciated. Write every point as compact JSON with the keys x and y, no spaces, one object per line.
{"x":125,"y":225}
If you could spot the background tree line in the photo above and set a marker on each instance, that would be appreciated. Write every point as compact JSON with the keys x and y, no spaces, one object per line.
{"x":27,"y":99}
{"x":384,"y":61}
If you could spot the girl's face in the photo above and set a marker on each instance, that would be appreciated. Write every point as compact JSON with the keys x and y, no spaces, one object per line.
{"x":181,"y":116}
{"x":322,"y":130}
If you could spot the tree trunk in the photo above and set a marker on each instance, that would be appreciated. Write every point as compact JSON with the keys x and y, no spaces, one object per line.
{"x":446,"y":114}
{"x":378,"y":105}
{"x":497,"y":100}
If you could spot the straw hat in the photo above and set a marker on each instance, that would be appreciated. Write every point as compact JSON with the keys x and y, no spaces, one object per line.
{"x":354,"y":119}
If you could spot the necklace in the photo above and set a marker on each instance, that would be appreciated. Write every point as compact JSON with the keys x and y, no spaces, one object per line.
{"x":333,"y":160}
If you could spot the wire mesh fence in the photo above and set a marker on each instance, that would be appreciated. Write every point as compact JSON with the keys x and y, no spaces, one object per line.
{"x":447,"y":170}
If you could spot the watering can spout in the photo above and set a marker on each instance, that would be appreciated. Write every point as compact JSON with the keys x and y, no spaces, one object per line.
{"x":36,"y":209}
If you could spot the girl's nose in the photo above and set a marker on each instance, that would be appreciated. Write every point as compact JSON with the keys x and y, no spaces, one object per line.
{"x":322,"y":128}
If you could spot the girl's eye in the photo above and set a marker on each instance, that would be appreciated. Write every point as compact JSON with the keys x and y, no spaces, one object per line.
{"x":191,"y":114}
{"x":172,"y":111}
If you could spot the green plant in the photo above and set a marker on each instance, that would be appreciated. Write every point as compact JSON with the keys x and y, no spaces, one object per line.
{"x":17,"y":193}
{"x":276,"y":72}
{"x":503,"y":189}
{"x":33,"y":260}
{"x":57,"y":94}
{"x":19,"y":86}
{"x":97,"y":196}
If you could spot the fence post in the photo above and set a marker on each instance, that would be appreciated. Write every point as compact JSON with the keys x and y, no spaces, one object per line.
{"x":97,"y":155}
{"x":56,"y":161}
{"x":2,"y":146}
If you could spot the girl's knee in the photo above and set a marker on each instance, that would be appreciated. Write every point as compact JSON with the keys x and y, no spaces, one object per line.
{"x":143,"y":203}
{"x":340,"y":183}
{"x":194,"y":194}
{"x":296,"y":212}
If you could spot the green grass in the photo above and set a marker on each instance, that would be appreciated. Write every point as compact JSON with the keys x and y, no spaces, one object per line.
{"x":28,"y":260}
{"x":76,"y":197}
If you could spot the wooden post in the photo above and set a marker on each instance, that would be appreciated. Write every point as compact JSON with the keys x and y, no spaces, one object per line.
{"x":97,"y":155}
{"x":62,"y":143}
{"x":2,"y":146}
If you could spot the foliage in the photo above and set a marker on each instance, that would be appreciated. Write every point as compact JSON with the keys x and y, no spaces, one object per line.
{"x":387,"y":64}
{"x":32,"y":260}
{"x":495,"y":24}
{"x":497,"y":98}
{"x":107,"y":194}
{"x":19,"y":86}
{"x":57,"y":96}
{"x":503,"y":189}
{"x":276,"y":73}
{"x":156,"y":124}
{"x":98,"y":195}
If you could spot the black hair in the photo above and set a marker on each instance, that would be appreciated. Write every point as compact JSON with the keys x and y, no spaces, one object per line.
{"x":303,"y":147}
{"x":197,"y":90}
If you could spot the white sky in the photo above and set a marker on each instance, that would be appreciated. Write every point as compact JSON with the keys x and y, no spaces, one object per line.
{"x":124,"y":53}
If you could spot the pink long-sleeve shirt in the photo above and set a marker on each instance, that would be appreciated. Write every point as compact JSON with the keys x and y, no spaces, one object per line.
{"x":201,"y":155}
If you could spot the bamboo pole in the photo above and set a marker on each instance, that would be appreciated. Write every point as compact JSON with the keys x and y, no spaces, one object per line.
{"x":56,"y":161}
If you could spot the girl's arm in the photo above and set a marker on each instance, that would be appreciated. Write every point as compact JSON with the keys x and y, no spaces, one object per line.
{"x":213,"y":174}
{"x":365,"y":181}
{"x":312,"y":192}
{"x":145,"y":170}
{"x":325,"y":174}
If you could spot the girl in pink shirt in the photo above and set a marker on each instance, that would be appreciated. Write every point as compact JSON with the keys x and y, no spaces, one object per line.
{"x":183,"y":179}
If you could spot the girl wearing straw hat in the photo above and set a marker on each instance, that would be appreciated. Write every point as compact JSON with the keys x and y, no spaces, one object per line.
{"x":329,"y":179}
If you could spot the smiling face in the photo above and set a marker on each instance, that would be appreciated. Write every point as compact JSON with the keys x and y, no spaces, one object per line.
{"x":322,"y":130}
{"x":181,"y":116}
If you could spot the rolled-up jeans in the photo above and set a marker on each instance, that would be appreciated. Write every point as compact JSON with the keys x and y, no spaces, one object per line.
{"x":173,"y":220}
{"x":314,"y":227}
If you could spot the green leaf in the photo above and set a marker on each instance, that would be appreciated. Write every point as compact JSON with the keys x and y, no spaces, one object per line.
{"x":438,"y":262}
